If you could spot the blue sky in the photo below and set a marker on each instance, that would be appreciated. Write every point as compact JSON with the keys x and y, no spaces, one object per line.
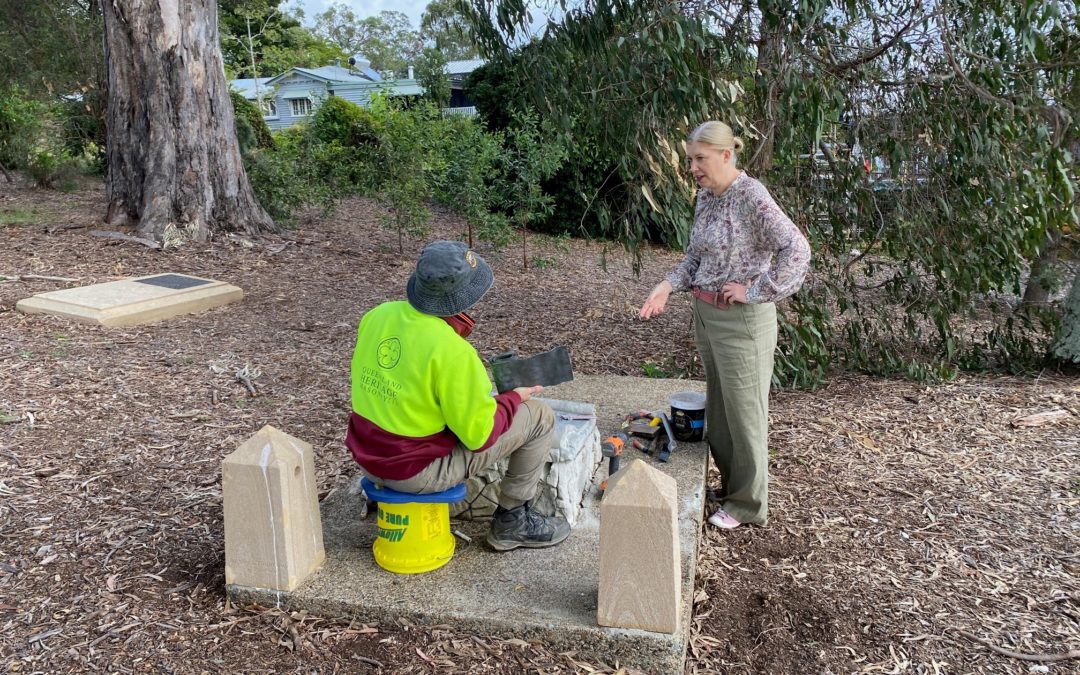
{"x":411,"y":8}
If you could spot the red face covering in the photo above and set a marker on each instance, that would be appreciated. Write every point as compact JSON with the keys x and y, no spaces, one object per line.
{"x":462,"y":323}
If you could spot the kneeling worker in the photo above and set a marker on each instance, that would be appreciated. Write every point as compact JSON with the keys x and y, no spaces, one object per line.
{"x":423,"y":416}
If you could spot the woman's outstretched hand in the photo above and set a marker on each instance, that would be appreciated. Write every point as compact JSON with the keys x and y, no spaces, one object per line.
{"x":656,"y":301}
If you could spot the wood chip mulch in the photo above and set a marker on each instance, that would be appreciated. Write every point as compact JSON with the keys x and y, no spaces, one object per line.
{"x":913,"y":528}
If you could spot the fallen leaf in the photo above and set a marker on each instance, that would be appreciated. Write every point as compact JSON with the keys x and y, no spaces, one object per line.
{"x":862,"y":440}
{"x":515,"y":641}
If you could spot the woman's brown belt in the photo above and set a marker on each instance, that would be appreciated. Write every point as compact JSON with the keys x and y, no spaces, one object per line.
{"x":711,"y":297}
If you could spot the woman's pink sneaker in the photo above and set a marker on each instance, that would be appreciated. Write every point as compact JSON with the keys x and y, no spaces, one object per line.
{"x":723,"y":520}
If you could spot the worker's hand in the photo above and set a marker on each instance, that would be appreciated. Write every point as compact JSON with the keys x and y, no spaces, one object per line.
{"x":733,"y":292}
{"x":656,"y":301}
{"x":527,"y":392}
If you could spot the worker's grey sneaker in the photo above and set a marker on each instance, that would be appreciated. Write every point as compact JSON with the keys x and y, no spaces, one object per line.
{"x":512,"y":528}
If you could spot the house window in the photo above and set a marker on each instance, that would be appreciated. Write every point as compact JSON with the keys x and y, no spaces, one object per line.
{"x":269,"y":107}
{"x":301,"y":107}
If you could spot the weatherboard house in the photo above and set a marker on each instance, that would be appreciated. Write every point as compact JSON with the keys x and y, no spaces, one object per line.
{"x":292,"y":96}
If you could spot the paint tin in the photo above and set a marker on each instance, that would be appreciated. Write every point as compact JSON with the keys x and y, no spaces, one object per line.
{"x":688,"y":416}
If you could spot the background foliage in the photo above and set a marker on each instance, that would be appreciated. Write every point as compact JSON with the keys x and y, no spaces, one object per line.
{"x":926,"y":149}
{"x":444,"y":29}
{"x":262,"y":38}
{"x":405,"y":154}
{"x":387,"y":39}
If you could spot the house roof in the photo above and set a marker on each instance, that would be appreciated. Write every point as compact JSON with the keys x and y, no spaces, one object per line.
{"x":333,"y":74}
{"x":245,"y":86}
{"x":463,"y":67}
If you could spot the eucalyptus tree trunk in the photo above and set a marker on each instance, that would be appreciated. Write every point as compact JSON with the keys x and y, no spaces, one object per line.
{"x":1068,"y":342}
{"x":770,"y":54}
{"x":1036,"y":291}
{"x":174,"y":165}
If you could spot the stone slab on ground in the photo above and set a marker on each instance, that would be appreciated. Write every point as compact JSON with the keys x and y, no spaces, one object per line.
{"x":135,"y":301}
{"x":548,"y":594}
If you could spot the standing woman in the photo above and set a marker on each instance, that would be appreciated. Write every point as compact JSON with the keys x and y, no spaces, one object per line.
{"x":744,"y":255}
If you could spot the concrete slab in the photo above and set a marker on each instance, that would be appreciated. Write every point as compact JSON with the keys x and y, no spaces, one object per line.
{"x":133,"y":301}
{"x":548,"y":594}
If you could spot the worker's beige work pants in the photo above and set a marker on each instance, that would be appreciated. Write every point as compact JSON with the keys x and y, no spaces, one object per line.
{"x":527,"y":442}
{"x":736,"y":346}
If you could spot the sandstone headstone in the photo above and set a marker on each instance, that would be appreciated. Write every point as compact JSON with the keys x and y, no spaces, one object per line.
{"x":133,"y":301}
{"x":273,"y":534}
{"x":640,"y":570}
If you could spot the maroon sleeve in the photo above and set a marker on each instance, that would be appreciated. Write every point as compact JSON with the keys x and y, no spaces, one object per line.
{"x":506,"y":405}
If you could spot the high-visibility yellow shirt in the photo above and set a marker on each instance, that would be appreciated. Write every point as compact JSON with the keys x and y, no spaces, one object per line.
{"x":414,"y":376}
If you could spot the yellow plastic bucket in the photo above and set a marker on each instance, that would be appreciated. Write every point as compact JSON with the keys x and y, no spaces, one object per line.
{"x":413,"y":537}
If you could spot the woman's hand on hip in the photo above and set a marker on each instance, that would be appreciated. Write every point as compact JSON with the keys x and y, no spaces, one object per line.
{"x":656,"y":301}
{"x":733,"y":292}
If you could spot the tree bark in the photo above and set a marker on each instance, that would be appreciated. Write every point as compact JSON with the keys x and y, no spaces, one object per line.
{"x":769,"y":81}
{"x":1035,"y":293}
{"x":1067,"y":347}
{"x":174,"y":165}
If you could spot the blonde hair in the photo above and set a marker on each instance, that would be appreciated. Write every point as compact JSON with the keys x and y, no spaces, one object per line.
{"x":717,"y":134}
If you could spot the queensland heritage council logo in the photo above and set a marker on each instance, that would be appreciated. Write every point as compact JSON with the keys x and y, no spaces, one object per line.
{"x":389,"y":352}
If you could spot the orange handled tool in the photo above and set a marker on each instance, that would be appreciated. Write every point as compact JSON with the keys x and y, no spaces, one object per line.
{"x":612,"y":448}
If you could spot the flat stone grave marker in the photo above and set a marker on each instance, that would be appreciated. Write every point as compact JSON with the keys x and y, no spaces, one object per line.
{"x":133,"y":301}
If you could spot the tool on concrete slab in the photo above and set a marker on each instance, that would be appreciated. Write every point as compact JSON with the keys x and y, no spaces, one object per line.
{"x":550,"y":368}
{"x":648,"y":425}
{"x":612,"y":447}
{"x":657,"y":447}
{"x":671,"y":443}
{"x":643,"y":428}
{"x":664,"y":450}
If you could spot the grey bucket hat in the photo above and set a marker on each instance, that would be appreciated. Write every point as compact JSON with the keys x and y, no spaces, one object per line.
{"x":449,"y":279}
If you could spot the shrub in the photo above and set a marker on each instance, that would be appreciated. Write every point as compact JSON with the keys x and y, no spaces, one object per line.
{"x":467,"y":172}
{"x":251,"y":129}
{"x":404,"y":155}
{"x":345,"y":145}
{"x":587,"y":177}
{"x":431,"y":74}
{"x":281,"y":186}
{"x":21,"y":123}
{"x":339,"y":121}
{"x":338,"y":153}
{"x":405,"y":136}
{"x":53,"y":169}
{"x":83,"y":121}
{"x":32,"y":138}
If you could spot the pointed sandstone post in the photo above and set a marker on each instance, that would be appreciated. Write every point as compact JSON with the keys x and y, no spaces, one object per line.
{"x":273,"y":534}
{"x":640,"y":570}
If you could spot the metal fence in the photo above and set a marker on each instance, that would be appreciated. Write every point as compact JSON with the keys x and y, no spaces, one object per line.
{"x":467,"y":111}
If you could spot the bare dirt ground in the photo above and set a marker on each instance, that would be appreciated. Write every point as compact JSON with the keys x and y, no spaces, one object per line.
{"x":914,"y":528}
